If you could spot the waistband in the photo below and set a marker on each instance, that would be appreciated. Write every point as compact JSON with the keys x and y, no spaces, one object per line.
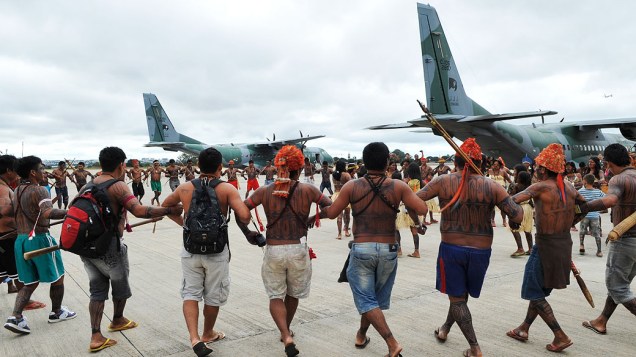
{"x":464,"y":247}
{"x":372,"y":245}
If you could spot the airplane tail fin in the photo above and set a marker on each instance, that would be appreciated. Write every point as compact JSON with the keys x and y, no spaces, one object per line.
{"x":444,"y":88}
{"x":160,"y":128}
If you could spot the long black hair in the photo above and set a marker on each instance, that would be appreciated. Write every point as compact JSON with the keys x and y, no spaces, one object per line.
{"x":597,"y":167}
{"x":341,"y":167}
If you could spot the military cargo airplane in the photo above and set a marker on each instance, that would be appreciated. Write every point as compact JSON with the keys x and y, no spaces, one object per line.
{"x":463,"y":118}
{"x":163,"y":134}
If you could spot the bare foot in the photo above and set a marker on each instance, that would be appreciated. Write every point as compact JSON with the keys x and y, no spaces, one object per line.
{"x":415,"y":254}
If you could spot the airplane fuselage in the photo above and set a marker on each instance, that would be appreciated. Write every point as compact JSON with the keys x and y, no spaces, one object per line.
{"x":513,"y":142}
{"x":241,"y":154}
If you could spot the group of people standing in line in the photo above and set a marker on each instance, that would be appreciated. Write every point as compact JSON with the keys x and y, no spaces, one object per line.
{"x":468,"y":202}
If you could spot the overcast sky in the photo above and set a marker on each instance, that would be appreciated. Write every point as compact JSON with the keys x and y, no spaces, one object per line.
{"x":72,"y":73}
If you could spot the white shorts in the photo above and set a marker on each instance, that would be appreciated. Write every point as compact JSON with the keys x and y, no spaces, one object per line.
{"x":286,"y":270}
{"x":206,"y":277}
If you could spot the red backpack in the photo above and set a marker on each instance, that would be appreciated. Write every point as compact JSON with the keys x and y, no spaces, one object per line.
{"x":90,"y":223}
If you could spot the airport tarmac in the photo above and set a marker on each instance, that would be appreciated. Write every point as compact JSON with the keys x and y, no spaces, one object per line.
{"x":326,"y":322}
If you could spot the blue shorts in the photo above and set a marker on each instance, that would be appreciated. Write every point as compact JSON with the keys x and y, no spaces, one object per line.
{"x":371,"y":273}
{"x":461,"y":269}
{"x":533,"y":287}
{"x":47,"y":268}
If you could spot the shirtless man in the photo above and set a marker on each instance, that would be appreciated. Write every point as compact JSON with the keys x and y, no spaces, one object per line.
{"x":188,"y":171}
{"x":269,"y":171}
{"x":8,"y":179}
{"x":373,"y":258}
{"x":155,"y":180}
{"x":340,"y":177}
{"x":135,"y":175}
{"x":61,"y":190}
{"x":309,"y":170}
{"x":621,"y":257}
{"x":441,"y":169}
{"x":172,"y":171}
{"x":286,"y":269}
{"x":113,"y":268}
{"x":33,"y":210}
{"x":252,"y":177}
{"x":204,"y":274}
{"x":232,"y":173}
{"x":80,"y":175}
{"x":325,"y":172}
{"x":499,"y":174}
{"x":548,"y":266}
{"x":467,"y":199}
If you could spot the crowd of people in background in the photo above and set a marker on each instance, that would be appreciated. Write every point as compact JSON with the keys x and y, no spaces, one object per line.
{"x":401,"y":194}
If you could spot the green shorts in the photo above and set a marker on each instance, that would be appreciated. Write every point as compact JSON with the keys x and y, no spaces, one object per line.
{"x":155,"y":185}
{"x":47,"y":268}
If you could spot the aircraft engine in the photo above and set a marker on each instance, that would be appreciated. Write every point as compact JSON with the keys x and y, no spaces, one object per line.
{"x":628,"y":132}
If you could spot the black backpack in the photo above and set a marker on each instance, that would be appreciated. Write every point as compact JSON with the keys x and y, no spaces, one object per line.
{"x":90,"y":223}
{"x":205,"y":227}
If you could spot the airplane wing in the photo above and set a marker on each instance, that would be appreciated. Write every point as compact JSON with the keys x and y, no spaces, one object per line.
{"x":600,"y":124}
{"x":453,"y":118}
{"x":418,"y":123}
{"x":280,"y":143}
{"x":169,"y":146}
{"x":507,"y":116}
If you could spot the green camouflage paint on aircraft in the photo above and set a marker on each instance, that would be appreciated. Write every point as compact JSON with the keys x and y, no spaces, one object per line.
{"x":464,"y":118}
{"x":163,"y":134}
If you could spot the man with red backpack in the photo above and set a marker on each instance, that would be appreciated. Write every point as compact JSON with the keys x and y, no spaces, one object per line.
{"x":112,"y":268}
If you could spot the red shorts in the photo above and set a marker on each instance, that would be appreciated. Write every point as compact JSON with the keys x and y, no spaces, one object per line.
{"x":234,"y":183}
{"x":252,"y":184}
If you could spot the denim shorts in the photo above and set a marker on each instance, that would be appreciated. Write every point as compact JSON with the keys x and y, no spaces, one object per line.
{"x":110,"y":269}
{"x":620,"y":269}
{"x":371,"y":273}
{"x":533,"y":286}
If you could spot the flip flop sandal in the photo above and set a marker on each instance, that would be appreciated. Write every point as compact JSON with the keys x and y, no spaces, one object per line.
{"x":34,"y":305}
{"x":106,"y":344}
{"x":588,"y":325}
{"x":200,"y":349}
{"x":128,"y":326}
{"x":515,"y":334}
{"x":552,"y":348}
{"x":364,"y":344}
{"x":219,"y":336}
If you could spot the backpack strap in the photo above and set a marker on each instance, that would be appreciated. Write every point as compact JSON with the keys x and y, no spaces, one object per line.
{"x":210,"y":189}
{"x":105,"y":186}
